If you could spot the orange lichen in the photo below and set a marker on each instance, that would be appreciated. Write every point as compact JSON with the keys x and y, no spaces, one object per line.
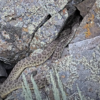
{"x":64,"y":10}
{"x":33,"y":48}
{"x":20,"y":41}
{"x":37,"y":38}
{"x":20,"y":19}
{"x":91,"y":19}
{"x":25,"y":29}
{"x":88,"y":32}
{"x":63,"y":76}
{"x":88,"y":25}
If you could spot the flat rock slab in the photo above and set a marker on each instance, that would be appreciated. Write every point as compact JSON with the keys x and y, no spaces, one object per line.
{"x":82,"y":68}
{"x":84,"y":6}
{"x":77,"y":48}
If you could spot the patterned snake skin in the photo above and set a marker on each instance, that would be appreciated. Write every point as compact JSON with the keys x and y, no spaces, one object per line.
{"x":12,"y":82}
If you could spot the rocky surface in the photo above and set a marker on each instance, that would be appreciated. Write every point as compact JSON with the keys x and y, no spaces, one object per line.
{"x":85,"y":6}
{"x":81,"y":68}
{"x":20,"y":20}
{"x":34,"y":24}
{"x":89,"y":27}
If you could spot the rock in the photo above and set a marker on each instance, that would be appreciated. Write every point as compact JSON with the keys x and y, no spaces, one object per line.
{"x":89,"y":58}
{"x":33,"y":14}
{"x":34,"y":73}
{"x":84,"y":45}
{"x":71,"y":9}
{"x":19,"y":23}
{"x":12,"y":42}
{"x":85,"y":6}
{"x":53,"y":6}
{"x":89,"y":26}
{"x":81,"y":67}
{"x":50,"y":29}
{"x":76,"y":1}
{"x":65,"y":52}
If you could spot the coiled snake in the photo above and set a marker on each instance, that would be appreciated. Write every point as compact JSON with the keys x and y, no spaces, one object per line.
{"x":12,"y":83}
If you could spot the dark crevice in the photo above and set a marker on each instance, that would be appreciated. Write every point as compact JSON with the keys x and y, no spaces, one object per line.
{"x":44,"y":21}
{"x":40,"y":25}
{"x":5,"y":70}
{"x":74,"y":18}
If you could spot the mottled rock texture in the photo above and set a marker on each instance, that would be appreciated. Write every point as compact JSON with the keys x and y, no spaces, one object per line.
{"x":44,"y":19}
{"x":20,"y":22}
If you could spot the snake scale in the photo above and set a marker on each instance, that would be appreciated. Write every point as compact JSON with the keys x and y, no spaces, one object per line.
{"x":12,"y":82}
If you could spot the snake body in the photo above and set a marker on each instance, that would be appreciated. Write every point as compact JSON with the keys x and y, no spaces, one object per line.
{"x":9,"y":85}
{"x":12,"y":82}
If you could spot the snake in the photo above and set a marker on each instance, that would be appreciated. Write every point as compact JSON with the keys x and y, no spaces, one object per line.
{"x":54,"y":48}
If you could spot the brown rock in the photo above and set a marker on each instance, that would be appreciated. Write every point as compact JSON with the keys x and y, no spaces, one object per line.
{"x":85,"y":6}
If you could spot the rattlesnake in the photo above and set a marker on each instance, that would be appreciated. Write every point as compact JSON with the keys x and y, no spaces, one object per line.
{"x":12,"y":82}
